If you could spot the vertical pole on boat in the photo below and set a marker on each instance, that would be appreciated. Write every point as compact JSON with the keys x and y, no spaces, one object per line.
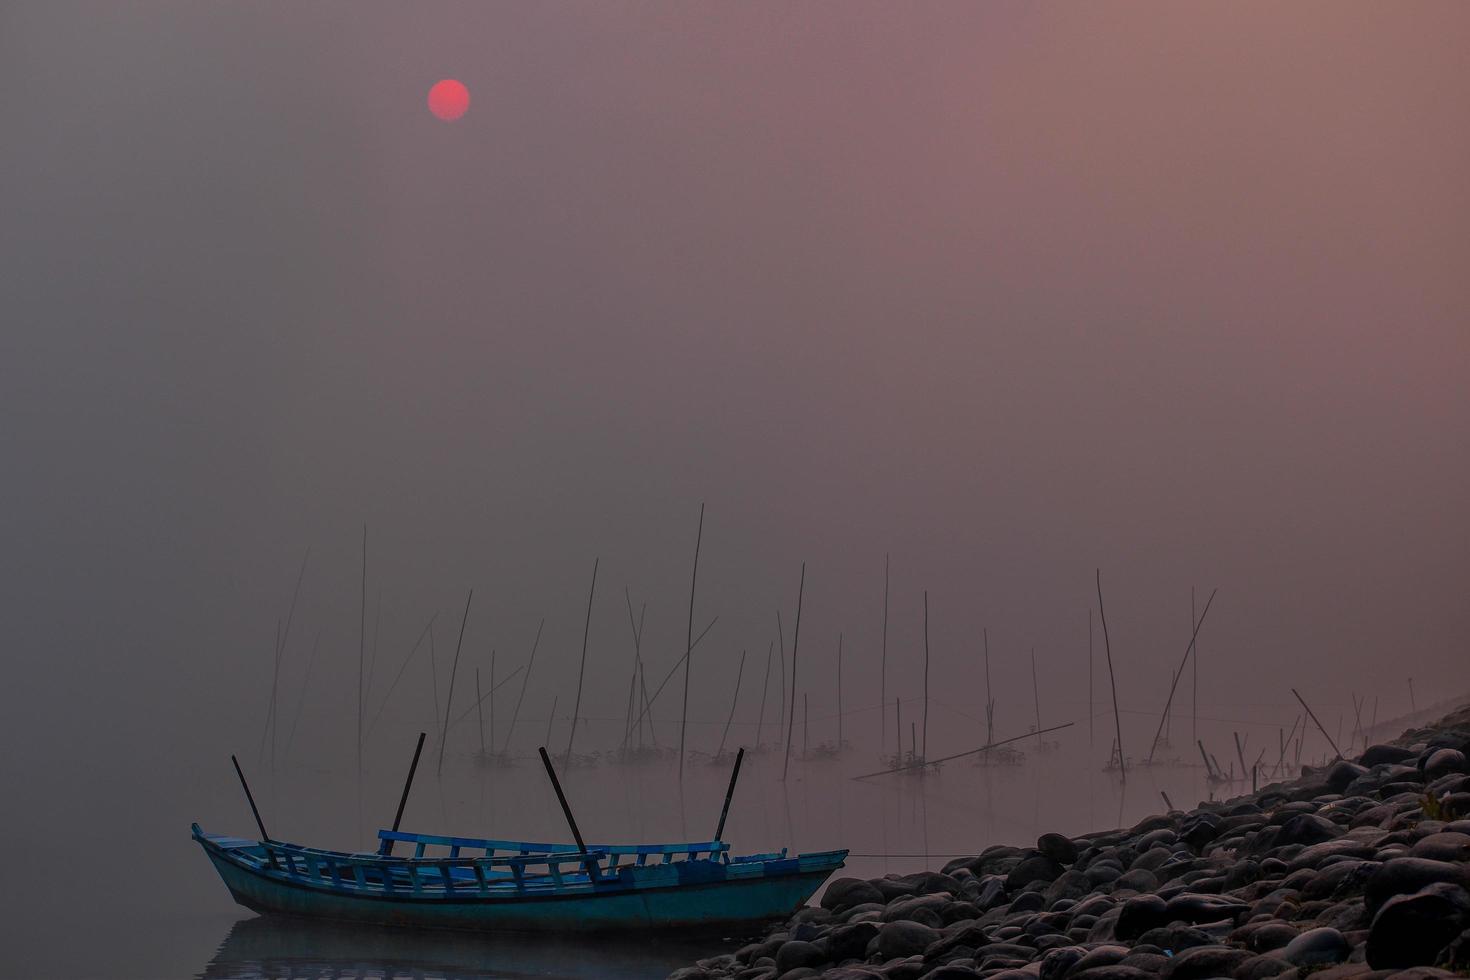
{"x":251,"y":798}
{"x":729,"y":793}
{"x":407,"y":783}
{"x":562,"y":799}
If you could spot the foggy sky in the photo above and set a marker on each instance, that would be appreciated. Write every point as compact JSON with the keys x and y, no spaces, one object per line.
{"x":1007,"y":292}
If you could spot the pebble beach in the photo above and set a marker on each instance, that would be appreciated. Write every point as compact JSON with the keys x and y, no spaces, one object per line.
{"x":1360,"y":869}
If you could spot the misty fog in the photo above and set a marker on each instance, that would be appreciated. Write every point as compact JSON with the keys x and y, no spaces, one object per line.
{"x":1002,"y":295}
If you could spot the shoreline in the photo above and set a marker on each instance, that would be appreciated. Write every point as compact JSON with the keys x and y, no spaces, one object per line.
{"x":1360,"y":868}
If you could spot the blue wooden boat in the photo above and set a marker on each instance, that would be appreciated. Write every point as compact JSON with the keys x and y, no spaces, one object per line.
{"x":498,"y":885}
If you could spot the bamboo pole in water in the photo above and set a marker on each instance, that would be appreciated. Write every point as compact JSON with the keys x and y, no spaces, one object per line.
{"x":399,"y":676}
{"x":493,"y":686}
{"x":479,"y":709}
{"x":760,"y":725}
{"x":839,"y":692}
{"x":551,"y":718}
{"x":516,"y":714}
{"x":689,"y":640}
{"x":362,"y":645}
{"x":926,"y":673}
{"x":958,"y":755}
{"x":1194,"y":698}
{"x":795,"y":641}
{"x":453,"y":670}
{"x":883,"y":663}
{"x":1089,"y":678}
{"x":781,"y":648}
{"x":582,"y":671}
{"x":1036,"y":696}
{"x":734,"y":700}
{"x":1318,"y":724}
{"x":301,"y":700}
{"x":1193,"y":638}
{"x":989,"y":701}
{"x":648,"y":706}
{"x":1112,"y":679}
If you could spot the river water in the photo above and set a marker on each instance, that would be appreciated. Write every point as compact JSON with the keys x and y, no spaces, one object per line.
{"x":120,"y":890}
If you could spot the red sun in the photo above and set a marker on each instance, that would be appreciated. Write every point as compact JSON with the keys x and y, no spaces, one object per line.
{"x":449,"y":99}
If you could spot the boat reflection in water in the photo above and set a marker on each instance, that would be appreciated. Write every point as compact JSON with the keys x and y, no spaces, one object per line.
{"x":282,"y":948}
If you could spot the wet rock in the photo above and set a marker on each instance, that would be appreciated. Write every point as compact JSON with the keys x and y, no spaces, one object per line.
{"x":952,"y":972}
{"x":1261,"y":966}
{"x":1113,"y":971}
{"x":1060,"y":849}
{"x":1194,"y":907}
{"x":1105,"y":955}
{"x":1410,"y":930}
{"x":1038,"y":868}
{"x":1271,"y":935}
{"x":1140,"y":914}
{"x":1056,"y":963}
{"x":850,"y":941}
{"x":1341,"y":774}
{"x":796,"y":954}
{"x":1204,"y":962}
{"x":1377,"y":754}
{"x":1138,"y":879}
{"x":1443,"y":762}
{"x":1456,"y":954}
{"x":1338,"y":880}
{"x":1443,"y":847}
{"x":1316,"y":947}
{"x":905,"y":938}
{"x":1176,"y":938}
{"x":1306,"y":828}
{"x":1071,"y":884}
{"x":1403,"y":876}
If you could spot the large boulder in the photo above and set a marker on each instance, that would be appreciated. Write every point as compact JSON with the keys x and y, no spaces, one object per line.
{"x":1443,"y":762}
{"x":844,"y":893}
{"x":1453,"y":847}
{"x":1411,"y":930}
{"x":1404,"y":876}
{"x":1060,"y":849}
{"x":1036,"y":868}
{"x":1317,"y":947}
{"x":796,"y":954}
{"x":905,"y":938}
{"x":1203,"y":962}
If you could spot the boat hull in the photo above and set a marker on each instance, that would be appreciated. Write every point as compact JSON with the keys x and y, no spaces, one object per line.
{"x":716,"y":903}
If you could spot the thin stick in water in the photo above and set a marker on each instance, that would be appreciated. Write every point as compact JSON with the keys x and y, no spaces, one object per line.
{"x":795,"y":640}
{"x":1112,"y":679}
{"x":925,"y":752}
{"x":689,"y":639}
{"x":734,"y":700}
{"x":582,"y":671}
{"x":1318,"y":724}
{"x":516,"y":714}
{"x":453,"y":670}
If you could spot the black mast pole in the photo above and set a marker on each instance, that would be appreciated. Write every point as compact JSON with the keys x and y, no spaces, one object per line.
{"x":248,"y":796}
{"x":725,"y":812}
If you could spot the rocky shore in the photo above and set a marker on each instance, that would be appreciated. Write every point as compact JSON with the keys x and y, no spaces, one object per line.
{"x":1360,"y":869}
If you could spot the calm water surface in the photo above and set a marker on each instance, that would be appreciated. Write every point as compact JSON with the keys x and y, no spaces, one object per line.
{"x":130,"y":895}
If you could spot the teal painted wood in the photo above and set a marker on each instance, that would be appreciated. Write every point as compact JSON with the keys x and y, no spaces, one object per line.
{"x":537,"y":887}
